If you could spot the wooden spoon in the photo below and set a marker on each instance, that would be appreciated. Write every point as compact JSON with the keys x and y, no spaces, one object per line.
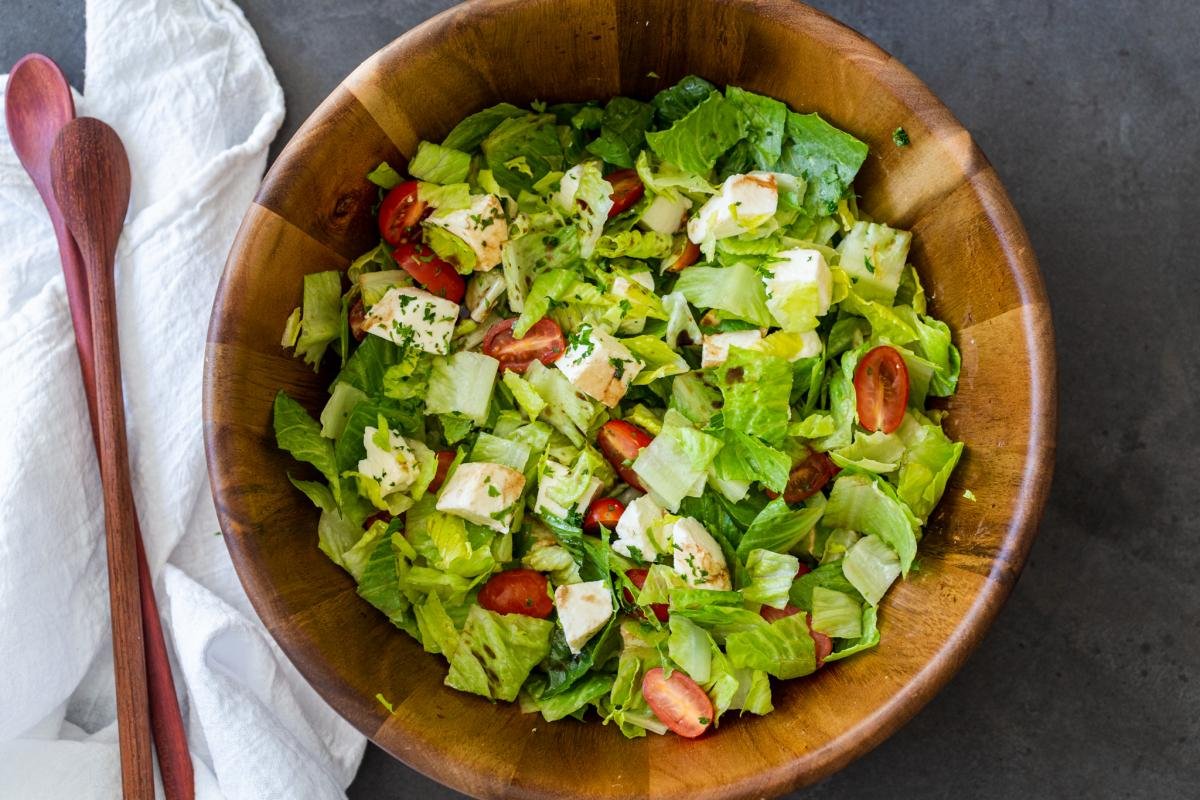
{"x":90,"y":174}
{"x":38,"y":104}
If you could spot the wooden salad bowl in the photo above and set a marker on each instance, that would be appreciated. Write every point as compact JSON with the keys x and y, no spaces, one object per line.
{"x":314,"y":213}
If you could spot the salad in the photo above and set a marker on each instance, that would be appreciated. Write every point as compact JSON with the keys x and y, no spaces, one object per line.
{"x":630,"y":408}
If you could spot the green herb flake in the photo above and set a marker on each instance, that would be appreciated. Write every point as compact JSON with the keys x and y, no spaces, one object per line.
{"x":900,"y":137}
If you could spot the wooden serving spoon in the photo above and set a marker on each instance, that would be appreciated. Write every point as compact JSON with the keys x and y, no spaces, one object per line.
{"x":38,"y":104}
{"x":90,"y":174}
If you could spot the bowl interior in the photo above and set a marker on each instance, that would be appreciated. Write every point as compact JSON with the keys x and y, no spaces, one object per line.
{"x":313,"y":213}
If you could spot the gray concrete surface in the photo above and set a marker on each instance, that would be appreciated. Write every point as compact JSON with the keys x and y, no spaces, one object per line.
{"x":1088,"y":685}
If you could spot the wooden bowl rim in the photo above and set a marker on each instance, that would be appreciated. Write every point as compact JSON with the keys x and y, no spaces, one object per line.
{"x":1031,"y":497}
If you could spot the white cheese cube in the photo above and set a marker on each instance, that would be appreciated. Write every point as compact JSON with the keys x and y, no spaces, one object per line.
{"x":715,"y":349}
{"x":482,"y":225}
{"x":635,"y":529}
{"x":550,"y":482}
{"x":390,"y":460}
{"x":486,"y":494}
{"x":598,"y":365}
{"x":697,"y":556}
{"x":583,"y":609}
{"x":664,"y":215}
{"x":408,"y":315}
{"x":800,"y":288}
{"x":744,"y":203}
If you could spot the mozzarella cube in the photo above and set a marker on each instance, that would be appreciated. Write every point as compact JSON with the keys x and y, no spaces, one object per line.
{"x":800,"y":288}
{"x":744,"y":203}
{"x":552,"y":478}
{"x":408,"y":315}
{"x":664,"y":215}
{"x":583,"y":609}
{"x":635,"y":529}
{"x":389,"y":460}
{"x":715,"y":349}
{"x":483,"y":493}
{"x":697,"y":556}
{"x":482,"y":226}
{"x":598,"y":365}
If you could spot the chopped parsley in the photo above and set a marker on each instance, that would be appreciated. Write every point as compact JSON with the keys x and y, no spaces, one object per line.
{"x":870,"y":265}
{"x":900,"y":137}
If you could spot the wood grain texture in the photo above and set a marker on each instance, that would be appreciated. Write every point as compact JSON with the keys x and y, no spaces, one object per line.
{"x":973,"y":255}
{"x":91,"y":185}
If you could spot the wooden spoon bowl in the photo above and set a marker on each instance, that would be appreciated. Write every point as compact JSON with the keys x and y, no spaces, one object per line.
{"x":313,"y":213}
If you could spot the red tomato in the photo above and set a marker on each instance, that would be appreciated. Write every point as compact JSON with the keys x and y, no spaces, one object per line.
{"x":627,"y":190}
{"x":445,"y":458}
{"x":544,"y":342}
{"x":772,"y":614}
{"x":802,"y":569}
{"x":689,"y":256}
{"x":400,"y":212}
{"x":620,"y":442}
{"x":822,"y":644}
{"x":678,"y":701}
{"x":517,"y":591}
{"x":603,"y":511}
{"x":357,"y":316}
{"x":807,"y":478}
{"x":381,"y":516}
{"x":435,"y":275}
{"x":881,"y":389}
{"x":637,"y":576}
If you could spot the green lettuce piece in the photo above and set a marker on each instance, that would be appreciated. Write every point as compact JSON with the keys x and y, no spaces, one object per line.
{"x":408,"y":379}
{"x":470,"y":133}
{"x":299,"y":434}
{"x":521,"y":150}
{"x":357,"y":557}
{"x":753,"y":692}
{"x":660,"y":580}
{"x":723,"y":622}
{"x":571,"y":702}
{"x":342,"y":400}
{"x":462,"y":383}
{"x":566,"y":410}
{"x":438,"y":634}
{"x":549,"y":287}
{"x":695,"y":399}
{"x":696,"y":140}
{"x":369,"y":363}
{"x":374,"y":285}
{"x":634,"y":244}
{"x":835,"y":545}
{"x":736,"y":289}
{"x":835,"y":614}
{"x":626,"y":705}
{"x":859,"y":503}
{"x":783,"y":649}
{"x":338,"y":529}
{"x":622,"y":131}
{"x":745,"y":458}
{"x":585,"y":118}
{"x":871,"y":566}
{"x":528,"y":400}
{"x":496,"y":653}
{"x":449,"y":247}
{"x":873,"y":452}
{"x":814,"y":426}
{"x":667,"y":179}
{"x":827,"y":159}
{"x":757,"y":389}
{"x":680,"y":322}
{"x":926,"y":466}
{"x":934,"y":344}
{"x":530,"y":254}
{"x":321,"y":320}
{"x":687,"y":598}
{"x":766,"y":119}
{"x":438,"y":164}
{"x":779,"y":528}
{"x":451,"y":197}
{"x":911,"y":292}
{"x":873,"y":255}
{"x":676,"y":101}
{"x":847,"y":333}
{"x":379,"y":584}
{"x":771,"y":576}
{"x":842,"y":406}
{"x":675,"y":464}
{"x":690,"y":647}
{"x":384,"y":176}
{"x":658,"y":358}
{"x":449,"y":545}
{"x":886,"y":323}
{"x":495,"y":450}
{"x":828,"y":576}
{"x":868,"y":638}
{"x":565,"y":668}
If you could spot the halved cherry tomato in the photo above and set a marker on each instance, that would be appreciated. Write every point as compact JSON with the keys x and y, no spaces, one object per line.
{"x":678,"y":701}
{"x":444,"y":458}
{"x":627,"y":190}
{"x":435,"y":275}
{"x":517,"y":591}
{"x":822,"y":644}
{"x":772,"y":614}
{"x":381,"y":516}
{"x":637,"y":576}
{"x":400,"y":212}
{"x":881,"y":389}
{"x":357,"y":316}
{"x":603,"y":511}
{"x":620,"y":442}
{"x":689,"y":256}
{"x":807,"y":478}
{"x":543,"y":342}
{"x":802,"y":569}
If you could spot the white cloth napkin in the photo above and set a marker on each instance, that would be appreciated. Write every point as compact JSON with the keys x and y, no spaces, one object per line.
{"x":186,"y":85}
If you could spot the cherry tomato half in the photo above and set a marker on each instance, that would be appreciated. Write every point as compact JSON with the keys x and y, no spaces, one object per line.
{"x":444,"y":458}
{"x":357,"y":317}
{"x":807,"y":478}
{"x":802,"y":569}
{"x":435,"y":275}
{"x":689,"y":256}
{"x":517,"y":591}
{"x":603,"y":511}
{"x":678,"y":701}
{"x":772,"y":614}
{"x":400,"y":212}
{"x":822,"y":644}
{"x":627,"y":190}
{"x":637,"y":576}
{"x":543,"y":342}
{"x":881,"y":389}
{"x":620,"y":442}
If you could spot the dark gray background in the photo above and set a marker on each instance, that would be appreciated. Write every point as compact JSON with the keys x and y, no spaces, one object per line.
{"x":1088,"y":684}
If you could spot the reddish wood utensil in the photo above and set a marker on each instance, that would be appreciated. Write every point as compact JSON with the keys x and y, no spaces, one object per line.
{"x":90,"y":174}
{"x":38,"y":104}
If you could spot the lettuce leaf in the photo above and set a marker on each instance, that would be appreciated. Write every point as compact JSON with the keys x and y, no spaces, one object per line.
{"x":461,"y":383}
{"x":321,"y":320}
{"x":299,"y":434}
{"x":521,"y":150}
{"x":771,"y":576}
{"x":873,"y":255}
{"x":676,"y":101}
{"x":735,"y":289}
{"x":859,"y":503}
{"x":766,"y":119}
{"x":783,"y":649}
{"x":926,"y":465}
{"x":696,"y":140}
{"x":658,"y":358}
{"x":470,"y":133}
{"x":836,"y":614}
{"x":827,"y":159}
{"x":674,"y":465}
{"x":438,"y":164}
{"x":496,"y":653}
{"x":757,"y":390}
{"x":622,"y":128}
{"x":745,"y":458}
{"x":779,"y":528}
{"x":691,"y":648}
{"x":871,"y":566}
